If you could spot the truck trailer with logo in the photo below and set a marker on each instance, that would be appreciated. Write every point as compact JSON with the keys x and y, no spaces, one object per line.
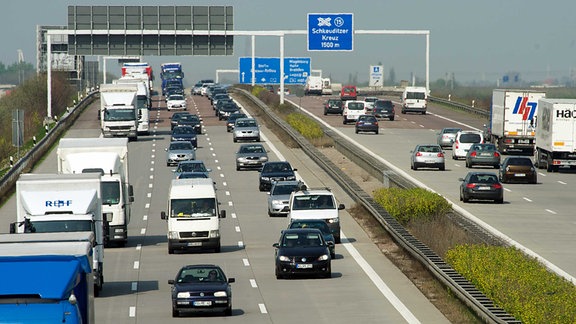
{"x":556,"y":134}
{"x":46,"y":278}
{"x":109,"y":158}
{"x":59,"y":203}
{"x":512,"y":119}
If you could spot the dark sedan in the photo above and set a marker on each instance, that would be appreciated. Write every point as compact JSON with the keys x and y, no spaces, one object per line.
{"x":226,"y":110}
{"x":333,"y":106}
{"x":367,"y":123}
{"x":483,"y":154}
{"x":201,"y":288}
{"x":251,"y":156}
{"x":175,"y":117}
{"x":184,"y":133}
{"x":275,"y":171}
{"x":232,"y":119}
{"x":481,"y":186}
{"x":191,"y":120}
{"x":384,"y":109}
{"x":518,"y":169}
{"x":322,"y":226}
{"x":302,"y":251}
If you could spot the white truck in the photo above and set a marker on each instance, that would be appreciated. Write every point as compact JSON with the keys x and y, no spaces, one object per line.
{"x":512,"y":119}
{"x":143,"y":99}
{"x":118,"y":110}
{"x":193,"y":215}
{"x":556,"y":134}
{"x":56,"y":203}
{"x":313,"y":85}
{"x":326,"y":86}
{"x":108,"y":157}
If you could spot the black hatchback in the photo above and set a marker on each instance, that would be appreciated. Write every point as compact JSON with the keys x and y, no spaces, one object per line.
{"x":333,"y":106}
{"x":384,"y":109}
{"x":481,"y":186}
{"x":275,"y":171}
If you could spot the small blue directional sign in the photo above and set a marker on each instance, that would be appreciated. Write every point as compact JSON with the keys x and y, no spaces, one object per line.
{"x":330,"y":32}
{"x":296,"y":70}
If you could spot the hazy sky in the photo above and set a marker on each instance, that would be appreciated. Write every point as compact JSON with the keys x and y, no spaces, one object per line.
{"x":475,"y":40}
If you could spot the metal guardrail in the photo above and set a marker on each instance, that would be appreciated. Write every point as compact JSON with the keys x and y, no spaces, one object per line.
{"x":27,"y":161}
{"x":460,"y":286}
{"x":461,"y":106}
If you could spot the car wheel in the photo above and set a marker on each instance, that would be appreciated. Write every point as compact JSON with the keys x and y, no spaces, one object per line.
{"x":499,"y":201}
{"x":442,"y":168}
{"x":414,"y":167}
{"x":391,"y":118}
{"x":258,"y":139}
{"x":454,"y":157}
{"x":376,"y":132}
{"x":279,"y":275}
{"x":228,"y":311}
{"x":468,"y":164}
{"x":218,"y":248}
{"x":337,"y":239}
{"x":261,"y":188}
{"x":237,"y":168}
{"x":356,"y":131}
{"x":175,"y":313}
{"x":234,"y":139}
{"x":328,"y":273}
{"x":461,"y":197}
{"x":325,"y":112}
{"x":465,"y":199}
{"x":496,"y":166}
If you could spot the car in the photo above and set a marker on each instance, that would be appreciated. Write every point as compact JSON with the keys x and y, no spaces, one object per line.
{"x":210,"y":90}
{"x":201,"y":288}
{"x":196,"y":89}
{"x":463,"y":141}
{"x":220,"y":103}
{"x":191,"y":120}
{"x":246,"y":129}
{"x":226,"y":110}
{"x":481,"y":186}
{"x":173,"y":90}
{"x":348,"y":92}
{"x":279,"y":197}
{"x":215,"y":92}
{"x":322,"y":226}
{"x":302,"y":251}
{"x":191,"y":166}
{"x":176,"y":101}
{"x":232,"y":119}
{"x":175,"y":117}
{"x":483,"y":154}
{"x":447,"y":135}
{"x":250,"y":156}
{"x":205,"y":86}
{"x":275,"y":171}
{"x":353,"y":109}
{"x":384,"y":109}
{"x":184,"y":133}
{"x":518,"y":169}
{"x":179,"y":151}
{"x":192,"y":175}
{"x":219,"y":96}
{"x":369,"y":103}
{"x":427,"y":156}
{"x":333,"y":106}
{"x":366,"y":123}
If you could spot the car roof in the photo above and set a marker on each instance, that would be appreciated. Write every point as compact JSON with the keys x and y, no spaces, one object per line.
{"x":191,"y":162}
{"x":301,"y":230}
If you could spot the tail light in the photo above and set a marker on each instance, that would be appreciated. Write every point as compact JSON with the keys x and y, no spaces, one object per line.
{"x":473,"y":154}
{"x":376,"y":123}
{"x":440,"y":154}
{"x":418,"y":154}
{"x":470,"y":186}
{"x":496,"y":154}
{"x":497,"y":186}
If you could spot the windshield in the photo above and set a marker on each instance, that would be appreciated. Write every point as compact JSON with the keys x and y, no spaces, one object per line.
{"x":313,"y":202}
{"x":283,"y":189}
{"x":192,"y":207}
{"x":201,"y":274}
{"x":176,"y":97}
{"x":246,"y":123}
{"x":142,"y":102}
{"x":302,"y":240}
{"x":181,"y":146}
{"x":110,"y":193}
{"x":119,"y":114}
{"x":60,"y":226}
{"x":183,"y":130}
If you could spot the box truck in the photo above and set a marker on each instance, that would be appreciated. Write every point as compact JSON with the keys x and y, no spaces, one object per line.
{"x":512,"y":119}
{"x":193,"y":215}
{"x":56,"y":203}
{"x":143,"y":100}
{"x":46,"y":278}
{"x":108,"y":157}
{"x":556,"y":134}
{"x":118,"y":111}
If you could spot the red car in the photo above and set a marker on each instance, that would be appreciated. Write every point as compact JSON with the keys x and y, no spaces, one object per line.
{"x":348,"y":92}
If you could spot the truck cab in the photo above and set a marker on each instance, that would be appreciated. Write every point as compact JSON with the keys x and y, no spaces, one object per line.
{"x":316,"y":203}
{"x":193,"y":216}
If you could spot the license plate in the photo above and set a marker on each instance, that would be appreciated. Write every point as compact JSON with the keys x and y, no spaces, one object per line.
{"x":367,"y":123}
{"x":304,"y":266}
{"x":485,"y":154}
{"x":203,"y":303}
{"x":194,"y":244}
{"x":429,"y":161}
{"x":519,"y":174}
{"x":483,"y":188}
{"x":523,"y":141}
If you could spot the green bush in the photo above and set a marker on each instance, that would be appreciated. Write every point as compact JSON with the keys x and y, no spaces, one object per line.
{"x":406,"y":205}
{"x":305,"y":126}
{"x":517,"y":283}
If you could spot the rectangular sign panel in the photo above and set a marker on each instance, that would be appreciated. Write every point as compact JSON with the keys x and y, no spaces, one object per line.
{"x":376,"y":76}
{"x":330,"y":32}
{"x":267,"y":70}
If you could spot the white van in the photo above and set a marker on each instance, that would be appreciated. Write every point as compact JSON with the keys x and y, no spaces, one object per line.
{"x":193,"y":215}
{"x":414,"y":99}
{"x":353,"y":109}
{"x":316,"y":203}
{"x":463,"y":141}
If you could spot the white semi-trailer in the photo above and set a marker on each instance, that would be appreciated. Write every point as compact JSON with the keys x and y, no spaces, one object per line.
{"x":556,"y":134}
{"x":108,"y":157}
{"x":56,"y":203}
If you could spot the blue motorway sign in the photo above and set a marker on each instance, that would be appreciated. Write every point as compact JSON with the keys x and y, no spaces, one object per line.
{"x":330,"y":32}
{"x":267,"y":70}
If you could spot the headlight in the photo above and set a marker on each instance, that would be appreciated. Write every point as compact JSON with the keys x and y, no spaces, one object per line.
{"x":214,"y":233}
{"x":265,"y":178}
{"x":276,"y":202}
{"x":183,"y":294}
{"x":323,"y":257}
{"x":283,"y":258}
{"x":333,"y":220}
{"x":172,"y":235}
{"x":264,"y":158}
{"x":220,"y":294}
{"x":291,"y":178}
{"x":241,"y":159}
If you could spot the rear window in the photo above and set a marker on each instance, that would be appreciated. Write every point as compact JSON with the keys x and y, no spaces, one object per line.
{"x":383,"y":104}
{"x":524,"y":162}
{"x":356,"y":106}
{"x":470,"y":138}
{"x":415,"y":95}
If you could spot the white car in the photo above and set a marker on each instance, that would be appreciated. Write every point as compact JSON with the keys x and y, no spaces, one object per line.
{"x":176,"y":101}
{"x":463,"y":141}
{"x":353,"y":109}
{"x":369,"y":103}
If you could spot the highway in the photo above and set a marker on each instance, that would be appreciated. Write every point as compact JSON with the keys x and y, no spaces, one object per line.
{"x":539,"y":217}
{"x":365,"y":287}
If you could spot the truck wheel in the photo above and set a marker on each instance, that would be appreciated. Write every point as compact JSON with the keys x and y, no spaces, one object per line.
{"x":96,"y":290}
{"x":218,"y":248}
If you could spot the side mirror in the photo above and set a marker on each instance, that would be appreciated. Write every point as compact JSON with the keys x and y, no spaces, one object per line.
{"x":131,"y":193}
{"x":12,"y":228}
{"x":231,"y":280}
{"x":341,"y":206}
{"x":163,"y":215}
{"x":222,"y":214}
{"x":460,"y":179}
{"x":276,"y":245}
